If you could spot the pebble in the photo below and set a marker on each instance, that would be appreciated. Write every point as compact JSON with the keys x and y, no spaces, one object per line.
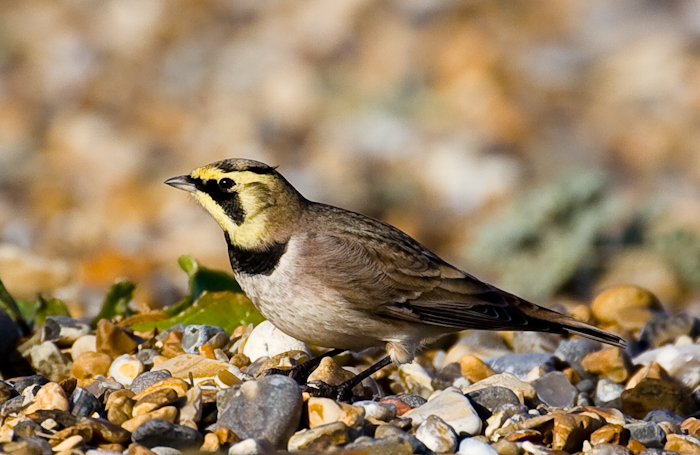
{"x":251,"y":447}
{"x":167,"y":413}
{"x":377,"y":412}
{"x":200,"y":368}
{"x":159,"y":432}
{"x":267,"y":408}
{"x":555,"y":390}
{"x":147,"y":379}
{"x":154,"y":400}
{"x":379,"y":446}
{"x":68,"y":443}
{"x":437,"y":435}
{"x":651,"y":394}
{"x":648,"y":433}
{"x":471,"y":446}
{"x":451,"y":406}
{"x":29,"y":381}
{"x":331,"y":373}
{"x":415,"y":379}
{"x":607,"y":394}
{"x":520,"y":365}
{"x":91,"y":364}
{"x":120,"y":405}
{"x":196,"y":335}
{"x":570,"y":430}
{"x":191,"y":412}
{"x":682,"y":444}
{"x":323,"y":411}
{"x":50,"y":397}
{"x":320,"y":438}
{"x":523,"y":390}
{"x":86,"y":343}
{"x":267,"y":340}
{"x":125,"y":368}
{"x":63,"y":330}
{"x":83,"y":403}
{"x":490,"y":398}
{"x":628,"y":306}
{"x":652,"y":370}
{"x":609,"y":434}
{"x":574,"y":351}
{"x":113,"y":339}
{"x":48,"y":360}
{"x":474,"y":369}
{"x":612,"y":363}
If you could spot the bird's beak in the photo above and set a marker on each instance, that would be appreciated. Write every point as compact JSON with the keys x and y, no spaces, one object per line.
{"x":182,"y":182}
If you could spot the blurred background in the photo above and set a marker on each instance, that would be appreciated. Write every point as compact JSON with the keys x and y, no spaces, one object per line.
{"x":551,"y":147}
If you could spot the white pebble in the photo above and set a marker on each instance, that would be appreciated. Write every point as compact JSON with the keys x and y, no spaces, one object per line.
{"x":268,"y":340}
{"x":86,"y":343}
{"x":125,"y":368}
{"x":471,"y":446}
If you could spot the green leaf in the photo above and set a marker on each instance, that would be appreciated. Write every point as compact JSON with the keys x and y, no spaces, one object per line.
{"x":9,"y":305}
{"x":116,"y":302}
{"x":202,"y":279}
{"x":225,"y":309}
{"x":45,"y":308}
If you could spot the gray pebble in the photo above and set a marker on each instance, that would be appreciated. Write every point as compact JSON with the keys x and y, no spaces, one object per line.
{"x":648,"y":433}
{"x":147,"y":379}
{"x":555,"y":390}
{"x":158,"y":432}
{"x":83,"y":403}
{"x":519,"y":365}
{"x":196,"y":335}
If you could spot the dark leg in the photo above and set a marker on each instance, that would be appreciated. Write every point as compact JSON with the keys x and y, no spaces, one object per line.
{"x":301,"y":372}
{"x":343,"y":392}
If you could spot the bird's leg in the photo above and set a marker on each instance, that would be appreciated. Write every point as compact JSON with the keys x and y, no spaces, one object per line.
{"x":343,"y":392}
{"x":301,"y":372}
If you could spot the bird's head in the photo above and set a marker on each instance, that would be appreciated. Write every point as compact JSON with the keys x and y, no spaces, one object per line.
{"x":250,"y":200}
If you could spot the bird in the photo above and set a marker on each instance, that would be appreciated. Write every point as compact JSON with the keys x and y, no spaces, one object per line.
{"x":339,"y":279}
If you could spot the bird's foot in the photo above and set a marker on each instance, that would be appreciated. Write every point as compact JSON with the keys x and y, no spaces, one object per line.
{"x":299,"y":373}
{"x":341,"y":392}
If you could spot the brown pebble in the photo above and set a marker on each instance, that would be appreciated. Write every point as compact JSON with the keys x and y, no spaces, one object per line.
{"x":653,"y":370}
{"x":652,"y":394}
{"x":681,"y":444}
{"x":90,"y":364}
{"x":570,"y":430}
{"x":692,"y":426}
{"x":226,"y":436}
{"x":572,"y":375}
{"x":612,"y":363}
{"x":474,"y":369}
{"x":120,"y":406}
{"x":85,"y":434}
{"x":531,"y":435}
{"x":168,"y":413}
{"x":154,"y":400}
{"x":239,"y":360}
{"x":504,"y":447}
{"x":610,"y":434}
{"x":636,"y":447}
{"x":207,"y":351}
{"x":104,"y":431}
{"x":114,"y":340}
{"x":138,"y":449}
{"x":114,"y":447}
{"x":68,"y":443}
{"x":211,"y":443}
{"x":50,"y":397}
{"x":628,"y":306}
{"x":178,"y":385}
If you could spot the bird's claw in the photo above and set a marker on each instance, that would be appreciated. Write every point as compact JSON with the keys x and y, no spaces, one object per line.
{"x":342,"y":392}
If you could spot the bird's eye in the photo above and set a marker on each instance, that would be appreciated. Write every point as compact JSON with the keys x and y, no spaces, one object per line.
{"x":226,"y":183}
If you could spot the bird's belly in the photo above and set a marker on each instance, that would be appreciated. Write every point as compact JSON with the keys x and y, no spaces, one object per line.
{"x":314,"y":316}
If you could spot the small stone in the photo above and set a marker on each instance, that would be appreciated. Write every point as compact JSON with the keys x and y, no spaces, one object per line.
{"x":662,"y":415}
{"x":100,"y":386}
{"x":154,"y":400}
{"x":158,"y":432}
{"x":608,"y":449}
{"x":320,"y":438}
{"x":627,"y":306}
{"x":570,"y":430}
{"x":474,"y":369}
{"x":267,"y":340}
{"x":148,"y":356}
{"x":651,"y":394}
{"x":211,"y":443}
{"x":196,"y":335}
{"x":637,"y":448}
{"x":50,"y":396}
{"x":125,"y":369}
{"x":610,"y":434}
{"x":48,"y":360}
{"x":574,"y":351}
{"x":83,"y":403}
{"x":63,"y":330}
{"x":267,"y":408}
{"x":648,"y":433}
{"x":332,"y":374}
{"x":692,"y":426}
{"x":415,"y":379}
{"x":68,"y":443}
{"x":113,"y":339}
{"x":413,"y":401}
{"x":86,"y":343}
{"x":323,"y":411}
{"x":380,"y":412}
{"x":504,"y":447}
{"x":282,"y":361}
{"x":607,"y":394}
{"x":471,"y":446}
{"x":120,"y":405}
{"x":452,"y":407}
{"x":167,"y":413}
{"x":491,"y":398}
{"x":147,"y":379}
{"x":137,"y":449}
{"x":200,"y":368}
{"x":162,"y":450}
{"x":523,"y":390}
{"x":252,"y":447}
{"x":401,"y":406}
{"x":191,"y":412}
{"x":520,"y":365}
{"x":90,"y":364}
{"x":437,"y":435}
{"x":555,"y":390}
{"x":380,"y":446}
{"x":612,"y":363}
{"x":29,"y":381}
{"x":682,"y":444}
{"x":652,"y":370}
{"x":177,"y":384}
{"x":241,"y":361}
{"x":104,"y":431}
{"x":395,"y":434}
